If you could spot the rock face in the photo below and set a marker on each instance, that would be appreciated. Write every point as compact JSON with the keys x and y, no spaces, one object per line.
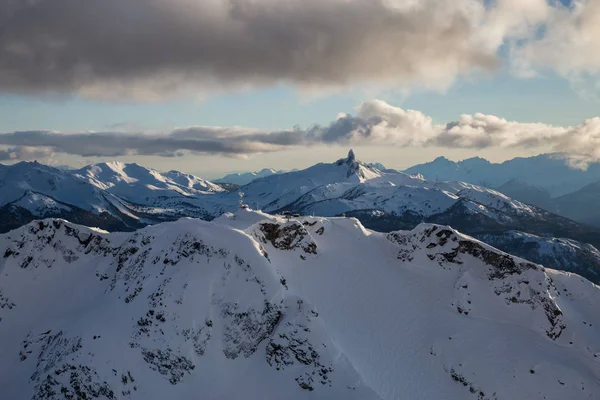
{"x":302,"y":308}
{"x":564,"y":254}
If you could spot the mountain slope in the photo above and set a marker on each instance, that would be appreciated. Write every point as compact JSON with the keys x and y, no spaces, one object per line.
{"x":245,"y":178}
{"x":135,"y":181}
{"x":549,"y":172}
{"x":581,"y":205}
{"x":351,"y":185}
{"x":563,"y":254}
{"x":309,"y":308}
{"x":18,"y":179}
{"x":34,"y":206}
{"x":529,"y":194}
{"x":547,"y":181}
{"x":113,"y":196}
{"x":390,"y":200}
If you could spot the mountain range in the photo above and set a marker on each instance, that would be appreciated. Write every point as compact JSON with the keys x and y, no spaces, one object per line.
{"x":555,"y":182}
{"x":125,"y":197}
{"x":113,"y":196}
{"x":245,"y":178}
{"x":253,"y":306}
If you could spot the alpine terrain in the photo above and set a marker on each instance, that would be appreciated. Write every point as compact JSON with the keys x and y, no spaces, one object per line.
{"x":124,"y":197}
{"x":564,"y":184}
{"x":245,"y":178}
{"x":254,"y":306}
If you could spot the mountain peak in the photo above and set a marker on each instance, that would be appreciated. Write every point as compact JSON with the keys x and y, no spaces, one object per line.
{"x":358,"y":168}
{"x":442,"y":160}
{"x":351,"y":156}
{"x":473,"y":161}
{"x":349,"y":160}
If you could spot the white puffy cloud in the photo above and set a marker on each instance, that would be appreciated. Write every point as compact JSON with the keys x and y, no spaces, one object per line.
{"x":375,"y":123}
{"x":24,"y":153}
{"x":569,"y":42}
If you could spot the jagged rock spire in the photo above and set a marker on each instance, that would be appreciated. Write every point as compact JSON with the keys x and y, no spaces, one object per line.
{"x":351,"y":156}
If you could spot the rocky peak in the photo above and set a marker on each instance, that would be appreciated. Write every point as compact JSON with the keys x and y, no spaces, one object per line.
{"x":350,"y":160}
{"x":351,"y":157}
{"x":441,"y":160}
{"x":355,"y":167}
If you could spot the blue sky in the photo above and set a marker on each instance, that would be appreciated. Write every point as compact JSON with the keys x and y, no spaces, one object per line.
{"x":550,"y":99}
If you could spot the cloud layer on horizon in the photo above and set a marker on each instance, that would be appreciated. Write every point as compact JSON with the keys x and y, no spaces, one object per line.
{"x":376,"y":123}
{"x":24,"y":153}
{"x":152,"y":49}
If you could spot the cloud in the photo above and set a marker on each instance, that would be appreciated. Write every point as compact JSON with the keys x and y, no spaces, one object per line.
{"x":24,"y":153}
{"x":150,"y":49}
{"x":376,"y":123}
{"x":483,"y":131}
{"x":568,"y":44}
{"x":210,"y":140}
{"x":153,"y":49}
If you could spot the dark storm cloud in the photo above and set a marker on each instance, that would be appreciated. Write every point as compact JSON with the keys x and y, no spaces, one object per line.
{"x":147,"y":49}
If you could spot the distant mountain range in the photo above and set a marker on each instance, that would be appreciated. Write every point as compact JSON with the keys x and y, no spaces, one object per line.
{"x":390,"y":200}
{"x":547,"y":181}
{"x":112,"y":196}
{"x":124,"y":197}
{"x":245,"y":178}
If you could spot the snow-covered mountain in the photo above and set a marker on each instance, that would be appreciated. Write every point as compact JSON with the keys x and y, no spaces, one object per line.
{"x":140,"y":183}
{"x":278,"y":191}
{"x":563,"y":254}
{"x":116,"y":196}
{"x":257,"y":307}
{"x":19,"y":179}
{"x":113,"y":196}
{"x":350,"y":185}
{"x":245,"y":178}
{"x":388,"y":200}
{"x":140,"y":196}
{"x":552,"y":173}
{"x":547,"y":181}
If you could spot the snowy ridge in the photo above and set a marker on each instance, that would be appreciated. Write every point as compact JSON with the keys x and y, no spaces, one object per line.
{"x":39,"y":205}
{"x":140,"y":196}
{"x":351,"y":185}
{"x":19,"y":179}
{"x":564,"y":254}
{"x":125,"y":197}
{"x":554,"y":173}
{"x":310,"y":307}
{"x":245,"y":178}
{"x":134,"y":181}
{"x":560,"y":183}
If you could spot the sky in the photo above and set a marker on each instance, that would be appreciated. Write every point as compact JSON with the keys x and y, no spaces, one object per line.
{"x":216,"y":86}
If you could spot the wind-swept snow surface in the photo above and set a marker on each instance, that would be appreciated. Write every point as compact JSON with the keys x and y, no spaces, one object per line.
{"x":252,"y":306}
